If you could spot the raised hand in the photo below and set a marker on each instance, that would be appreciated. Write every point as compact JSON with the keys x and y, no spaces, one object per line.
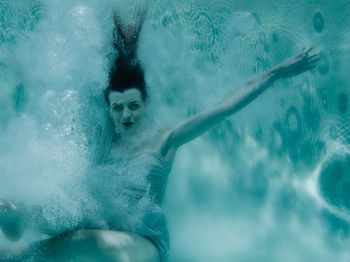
{"x":298,"y":64}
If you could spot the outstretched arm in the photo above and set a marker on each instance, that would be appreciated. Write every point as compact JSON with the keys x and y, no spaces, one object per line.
{"x":196,"y":125}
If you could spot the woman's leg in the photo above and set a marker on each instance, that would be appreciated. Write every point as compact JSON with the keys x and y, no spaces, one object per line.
{"x":94,"y":245}
{"x":82,"y":245}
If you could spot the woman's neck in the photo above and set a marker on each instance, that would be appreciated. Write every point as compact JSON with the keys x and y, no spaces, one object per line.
{"x":142,"y":141}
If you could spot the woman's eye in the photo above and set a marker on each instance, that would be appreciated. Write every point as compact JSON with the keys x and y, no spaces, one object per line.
{"x":117,"y":108}
{"x":134,"y":106}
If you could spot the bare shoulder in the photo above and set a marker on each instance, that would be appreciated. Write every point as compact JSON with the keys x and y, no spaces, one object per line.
{"x":161,"y":144}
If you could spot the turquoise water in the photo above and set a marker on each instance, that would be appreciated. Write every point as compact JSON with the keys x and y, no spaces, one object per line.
{"x":271,"y":183}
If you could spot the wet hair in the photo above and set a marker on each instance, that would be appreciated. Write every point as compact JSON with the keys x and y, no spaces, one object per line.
{"x":127,"y":71}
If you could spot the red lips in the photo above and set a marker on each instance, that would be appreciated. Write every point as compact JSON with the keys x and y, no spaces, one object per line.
{"x":127,"y":123}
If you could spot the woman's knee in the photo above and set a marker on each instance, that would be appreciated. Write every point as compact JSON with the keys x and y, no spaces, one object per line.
{"x":123,"y":246}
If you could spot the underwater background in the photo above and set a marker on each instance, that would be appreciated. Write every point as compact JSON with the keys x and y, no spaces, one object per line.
{"x":271,"y":183}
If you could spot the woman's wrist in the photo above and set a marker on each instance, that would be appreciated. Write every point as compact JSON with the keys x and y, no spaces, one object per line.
{"x":275,"y":73}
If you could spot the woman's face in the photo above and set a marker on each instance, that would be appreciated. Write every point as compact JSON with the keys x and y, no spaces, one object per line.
{"x":127,"y":110}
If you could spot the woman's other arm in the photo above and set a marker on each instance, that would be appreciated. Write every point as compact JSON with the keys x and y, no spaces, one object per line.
{"x":15,"y":218}
{"x":196,"y":125}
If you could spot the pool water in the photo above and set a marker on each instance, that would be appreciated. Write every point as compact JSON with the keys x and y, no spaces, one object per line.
{"x":271,"y":183}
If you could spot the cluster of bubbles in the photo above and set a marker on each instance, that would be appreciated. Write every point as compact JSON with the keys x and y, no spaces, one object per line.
{"x":54,"y":60}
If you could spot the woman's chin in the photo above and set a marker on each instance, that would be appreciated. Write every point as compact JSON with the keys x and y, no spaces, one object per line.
{"x":129,"y":131}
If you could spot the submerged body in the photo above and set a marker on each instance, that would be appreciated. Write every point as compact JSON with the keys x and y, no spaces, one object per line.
{"x":146,"y":239}
{"x":127,"y":106}
{"x":149,"y":175}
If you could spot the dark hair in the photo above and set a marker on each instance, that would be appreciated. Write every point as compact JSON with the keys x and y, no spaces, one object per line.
{"x":127,"y":71}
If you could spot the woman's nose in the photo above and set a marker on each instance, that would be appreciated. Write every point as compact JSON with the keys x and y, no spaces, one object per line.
{"x":126,"y":114}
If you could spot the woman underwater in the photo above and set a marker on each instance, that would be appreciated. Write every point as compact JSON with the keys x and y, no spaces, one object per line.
{"x":126,"y":96}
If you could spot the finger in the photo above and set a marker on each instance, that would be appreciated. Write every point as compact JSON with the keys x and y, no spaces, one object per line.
{"x":310,"y":60}
{"x":305,"y":51}
{"x":315,"y":53}
{"x":313,"y":56}
{"x":308,"y":50}
{"x":314,"y":60}
{"x":302,"y":54}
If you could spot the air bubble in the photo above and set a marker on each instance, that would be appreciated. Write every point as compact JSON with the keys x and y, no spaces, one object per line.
{"x":335,"y":181}
{"x":324,"y":101}
{"x":343,"y":102}
{"x":293,"y":120}
{"x":20,"y":98}
{"x":318,"y":22}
